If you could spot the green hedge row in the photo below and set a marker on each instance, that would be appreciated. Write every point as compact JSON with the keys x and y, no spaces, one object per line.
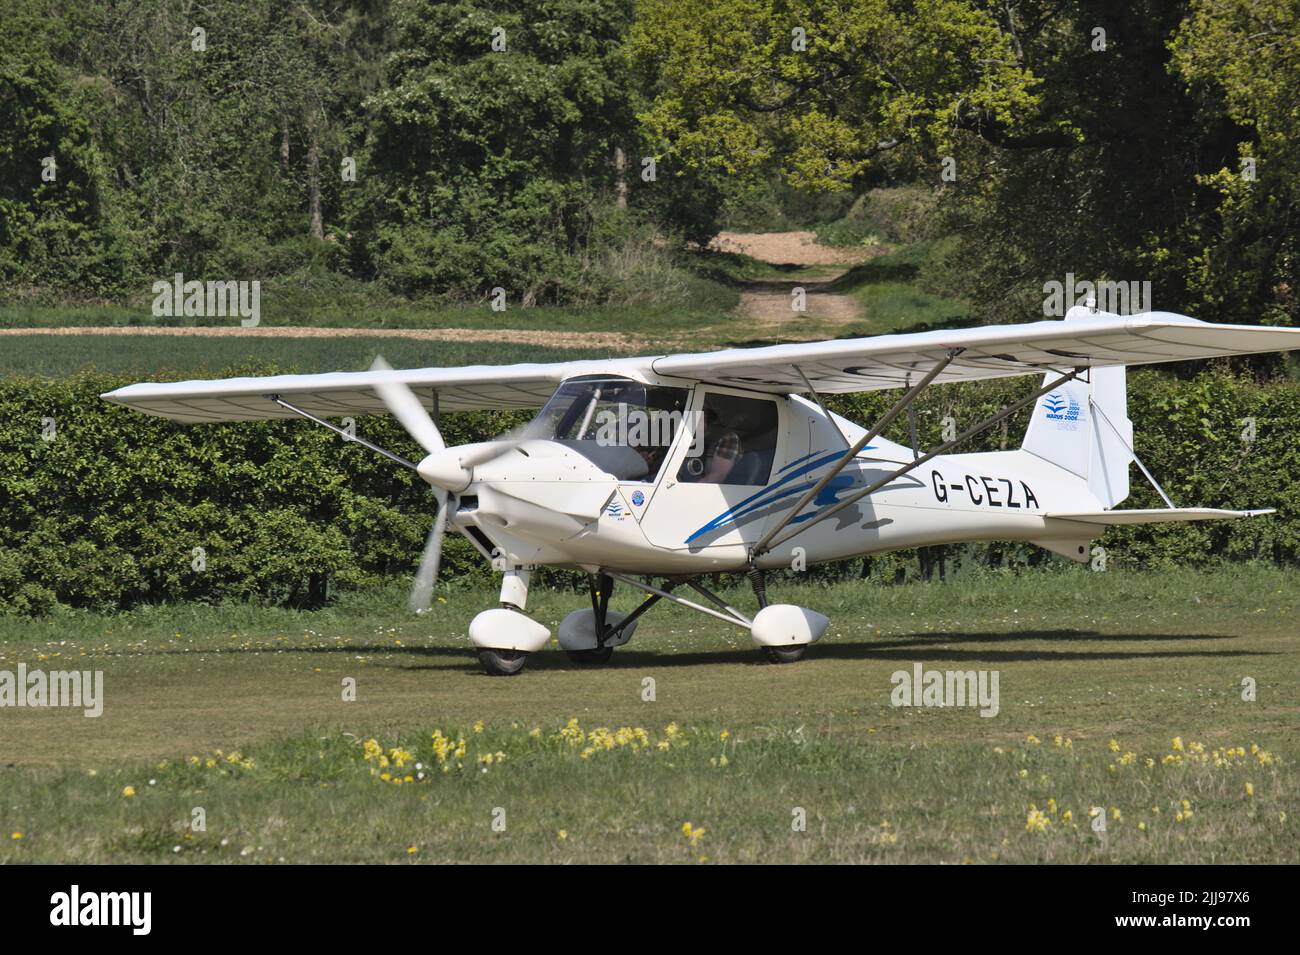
{"x":108,"y":513}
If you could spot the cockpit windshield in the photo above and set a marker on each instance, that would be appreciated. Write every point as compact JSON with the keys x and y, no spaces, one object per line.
{"x":622,"y":426}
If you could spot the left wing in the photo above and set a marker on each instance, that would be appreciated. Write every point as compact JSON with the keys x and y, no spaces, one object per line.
{"x":343,"y":393}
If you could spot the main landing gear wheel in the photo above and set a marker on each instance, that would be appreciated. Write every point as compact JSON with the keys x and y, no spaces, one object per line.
{"x":588,"y":657}
{"x":791,"y":654}
{"x":502,"y":662}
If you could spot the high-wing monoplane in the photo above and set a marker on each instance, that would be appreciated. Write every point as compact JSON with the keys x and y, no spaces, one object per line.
{"x":655,"y":472}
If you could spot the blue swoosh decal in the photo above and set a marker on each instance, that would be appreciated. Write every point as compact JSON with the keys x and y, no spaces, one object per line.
{"x":775,"y":492}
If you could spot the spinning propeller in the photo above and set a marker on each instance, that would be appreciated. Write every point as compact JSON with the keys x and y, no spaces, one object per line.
{"x":445,"y":469}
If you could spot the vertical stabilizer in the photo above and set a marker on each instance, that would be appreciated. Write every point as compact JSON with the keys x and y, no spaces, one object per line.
{"x":1084,"y":427}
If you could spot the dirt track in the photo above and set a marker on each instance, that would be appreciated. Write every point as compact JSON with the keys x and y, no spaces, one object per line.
{"x":768,"y":304}
{"x":614,"y":341}
{"x":789,"y":248}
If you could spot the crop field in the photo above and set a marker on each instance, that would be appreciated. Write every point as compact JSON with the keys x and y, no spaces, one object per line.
{"x":175,"y":356}
{"x":744,"y":301}
{"x":1122,"y":694}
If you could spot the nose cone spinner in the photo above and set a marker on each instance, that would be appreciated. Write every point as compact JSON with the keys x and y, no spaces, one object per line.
{"x":443,"y":469}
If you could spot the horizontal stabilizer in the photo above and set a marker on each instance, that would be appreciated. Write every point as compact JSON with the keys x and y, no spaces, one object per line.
{"x":1158,"y":515}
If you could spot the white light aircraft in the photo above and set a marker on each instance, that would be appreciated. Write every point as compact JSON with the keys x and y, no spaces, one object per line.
{"x":639,"y":470}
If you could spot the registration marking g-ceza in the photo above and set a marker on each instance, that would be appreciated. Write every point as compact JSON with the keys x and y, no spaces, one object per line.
{"x":984,"y":491}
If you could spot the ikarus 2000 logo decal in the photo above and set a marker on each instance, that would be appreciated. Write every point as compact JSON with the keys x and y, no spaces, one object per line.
{"x":1064,"y":409}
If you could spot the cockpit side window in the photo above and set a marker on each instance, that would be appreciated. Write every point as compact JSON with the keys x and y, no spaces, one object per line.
{"x":739,"y":442}
{"x":622,"y":426}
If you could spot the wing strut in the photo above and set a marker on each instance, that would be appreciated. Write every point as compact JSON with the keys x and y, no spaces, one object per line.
{"x":768,"y":544}
{"x":764,"y":545}
{"x":343,"y":434}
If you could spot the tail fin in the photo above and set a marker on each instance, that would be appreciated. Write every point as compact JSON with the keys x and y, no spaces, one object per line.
{"x":1075,"y":427}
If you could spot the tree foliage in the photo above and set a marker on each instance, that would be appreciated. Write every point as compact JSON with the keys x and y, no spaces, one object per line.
{"x":822,"y":89}
{"x":1100,"y":138}
{"x":496,"y":140}
{"x":1247,"y":52}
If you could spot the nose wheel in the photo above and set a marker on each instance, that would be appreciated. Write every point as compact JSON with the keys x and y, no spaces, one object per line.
{"x":504,"y":636}
{"x":502,"y":662}
{"x":785,"y":654}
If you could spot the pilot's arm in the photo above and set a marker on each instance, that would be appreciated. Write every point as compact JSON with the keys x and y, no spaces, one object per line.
{"x":726,"y":451}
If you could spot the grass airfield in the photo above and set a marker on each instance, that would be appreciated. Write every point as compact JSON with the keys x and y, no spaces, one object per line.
{"x":1121,"y":691}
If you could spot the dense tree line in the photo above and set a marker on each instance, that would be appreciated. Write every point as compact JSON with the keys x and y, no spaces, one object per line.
{"x":517,"y":143}
{"x":439,"y":147}
{"x":1130,"y":140}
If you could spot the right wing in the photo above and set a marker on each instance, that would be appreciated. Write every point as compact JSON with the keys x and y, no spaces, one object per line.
{"x":1083,"y":340}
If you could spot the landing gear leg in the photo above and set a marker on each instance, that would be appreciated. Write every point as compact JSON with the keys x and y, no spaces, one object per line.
{"x":759,"y":583}
{"x":601,"y":587}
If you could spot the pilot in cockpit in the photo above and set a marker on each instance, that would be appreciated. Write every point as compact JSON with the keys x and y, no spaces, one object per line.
{"x":738,"y":444}
{"x":722,"y":448}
